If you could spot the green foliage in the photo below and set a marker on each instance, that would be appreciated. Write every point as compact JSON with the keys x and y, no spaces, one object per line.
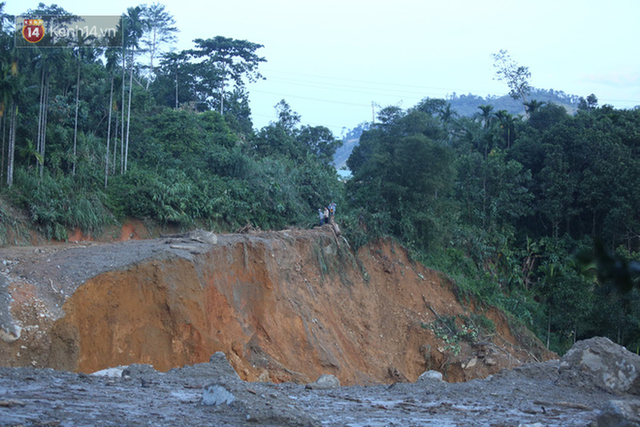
{"x":402,"y":178}
{"x":447,"y":330}
{"x":56,"y":205}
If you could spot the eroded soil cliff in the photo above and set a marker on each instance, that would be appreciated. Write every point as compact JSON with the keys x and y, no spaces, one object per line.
{"x":283,"y":306}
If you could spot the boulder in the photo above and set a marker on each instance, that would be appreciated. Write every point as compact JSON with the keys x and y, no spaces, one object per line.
{"x":111,"y":372}
{"x":9,"y":331}
{"x":618,"y":413}
{"x":429,"y":376}
{"x":324,"y":382}
{"x":217,"y":394}
{"x":203,"y":236}
{"x":598,"y":363}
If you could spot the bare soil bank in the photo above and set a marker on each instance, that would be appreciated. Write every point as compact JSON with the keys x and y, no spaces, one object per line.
{"x":283,"y":306}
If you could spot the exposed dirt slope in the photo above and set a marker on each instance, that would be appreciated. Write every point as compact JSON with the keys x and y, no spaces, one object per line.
{"x":283,"y":306}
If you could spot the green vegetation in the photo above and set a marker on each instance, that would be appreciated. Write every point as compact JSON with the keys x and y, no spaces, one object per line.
{"x":502,"y":204}
{"x":498,"y":201}
{"x":447,"y":330}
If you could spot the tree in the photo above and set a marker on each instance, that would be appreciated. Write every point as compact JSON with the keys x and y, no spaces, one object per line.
{"x":279,"y":138}
{"x":112,"y":59}
{"x":532,"y":106}
{"x":507,"y":124}
{"x":485,"y":115}
{"x":516,"y":76}
{"x":49,"y":61}
{"x":402,"y":177}
{"x":319,"y":142}
{"x":174,"y":68}
{"x":134,"y":29}
{"x":588,"y":104}
{"x":11,"y":84}
{"x":223,"y":60}
{"x":159,"y":29}
{"x":81,"y":48}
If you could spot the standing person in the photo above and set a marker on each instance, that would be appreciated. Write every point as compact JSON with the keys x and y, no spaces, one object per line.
{"x":326,"y":215}
{"x":321,"y":215}
{"x":332,"y":208}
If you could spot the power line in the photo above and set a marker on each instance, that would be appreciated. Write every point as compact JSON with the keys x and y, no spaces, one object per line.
{"x":283,"y":95}
{"x":414,"y":88}
{"x":420,"y":92}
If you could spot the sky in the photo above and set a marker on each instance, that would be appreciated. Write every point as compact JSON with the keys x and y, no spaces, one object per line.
{"x":337,"y":62}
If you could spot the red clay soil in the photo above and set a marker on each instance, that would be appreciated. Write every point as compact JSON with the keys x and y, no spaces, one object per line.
{"x":283,"y":306}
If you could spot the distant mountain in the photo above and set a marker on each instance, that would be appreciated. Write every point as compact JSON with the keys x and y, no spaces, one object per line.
{"x":343,"y":153}
{"x":349,"y":141}
{"x":467,"y":106}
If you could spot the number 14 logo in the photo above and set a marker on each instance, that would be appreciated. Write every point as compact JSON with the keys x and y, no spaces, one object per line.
{"x":33,"y":30}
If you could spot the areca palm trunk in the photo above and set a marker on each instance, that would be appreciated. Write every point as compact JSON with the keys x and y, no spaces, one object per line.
{"x":122,"y":120}
{"x":4,"y":140}
{"x":44,"y":125}
{"x":106,"y":157}
{"x":126,"y":149}
{"x":115,"y":148}
{"x":75,"y":127}
{"x":12,"y":143}
{"x":41,"y":109}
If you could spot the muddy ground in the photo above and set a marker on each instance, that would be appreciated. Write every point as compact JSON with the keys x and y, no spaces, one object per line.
{"x":140,"y":396}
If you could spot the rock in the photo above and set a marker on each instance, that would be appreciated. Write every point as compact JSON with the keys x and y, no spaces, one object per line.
{"x":598,"y":363}
{"x":217,"y":394}
{"x":618,"y":413}
{"x":9,"y":331}
{"x":222,"y":366}
{"x":531,"y":425}
{"x":431,"y":376}
{"x":111,"y":372}
{"x":324,"y":382}
{"x":139,"y":371}
{"x":470,"y":364}
{"x":203,"y":236}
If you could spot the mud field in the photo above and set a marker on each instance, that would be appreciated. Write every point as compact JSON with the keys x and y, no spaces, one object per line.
{"x":140,"y":396}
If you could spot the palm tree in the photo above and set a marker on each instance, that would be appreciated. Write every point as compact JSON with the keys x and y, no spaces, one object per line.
{"x":82,"y":50}
{"x":174,"y":62}
{"x":507,"y":124}
{"x":485,"y":115}
{"x":531,"y":106}
{"x":49,"y":61}
{"x":112,"y":58}
{"x":135,"y":29}
{"x":11,"y":84}
{"x":159,"y":29}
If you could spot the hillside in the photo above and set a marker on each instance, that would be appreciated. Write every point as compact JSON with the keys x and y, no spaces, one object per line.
{"x":283,"y":306}
{"x":467,"y":106}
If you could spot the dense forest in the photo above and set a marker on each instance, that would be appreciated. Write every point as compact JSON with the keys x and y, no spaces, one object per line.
{"x":518,"y":209}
